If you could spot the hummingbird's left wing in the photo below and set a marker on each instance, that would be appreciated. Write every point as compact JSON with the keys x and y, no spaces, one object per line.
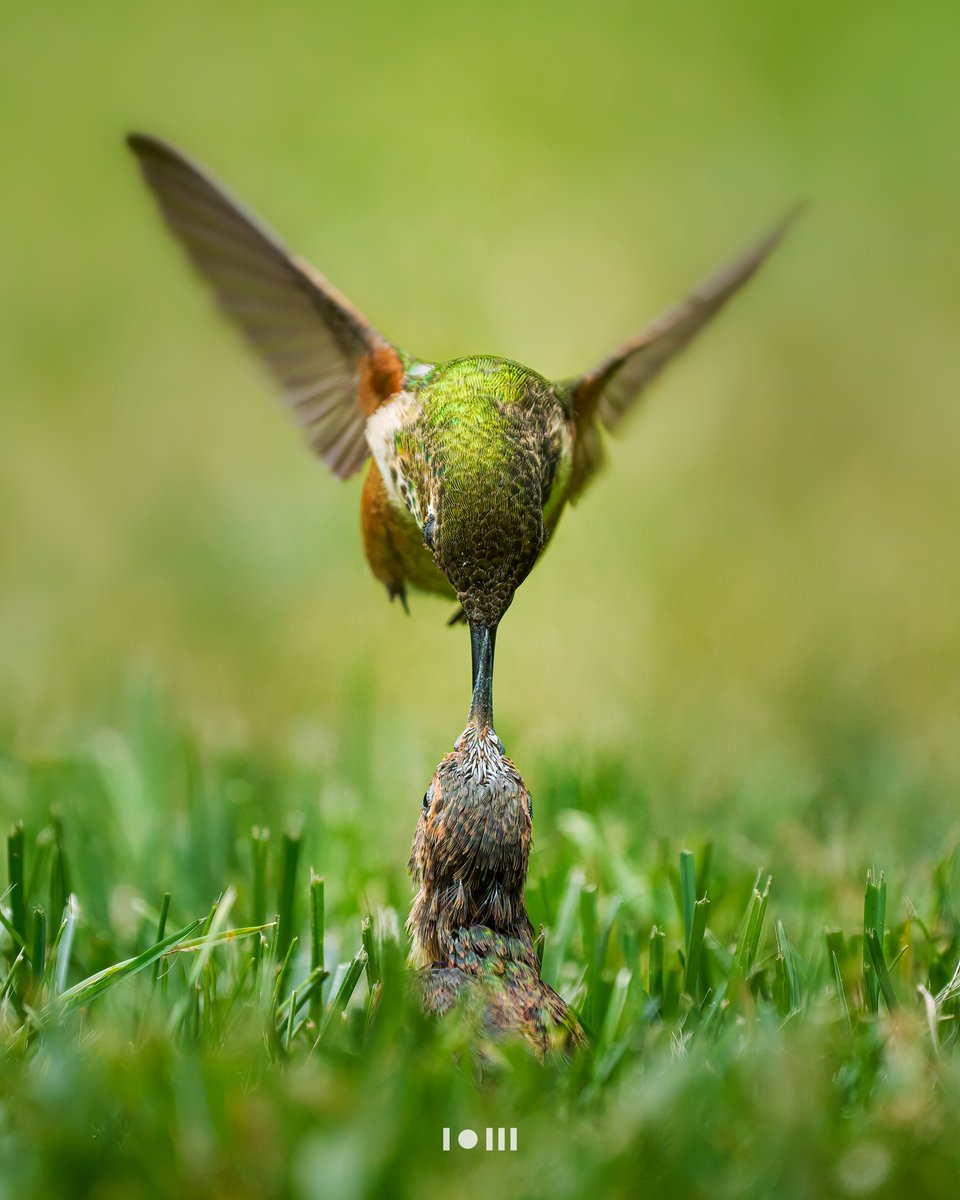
{"x":333,"y":367}
{"x":606,"y":394}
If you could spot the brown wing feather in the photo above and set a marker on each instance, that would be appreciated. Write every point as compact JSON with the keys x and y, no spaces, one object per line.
{"x":608,"y":392}
{"x":315,"y":343}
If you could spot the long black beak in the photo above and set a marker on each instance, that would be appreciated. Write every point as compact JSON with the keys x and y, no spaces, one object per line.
{"x":483,"y":640}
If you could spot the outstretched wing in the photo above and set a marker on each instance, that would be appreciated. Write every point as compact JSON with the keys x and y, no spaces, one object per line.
{"x":606,"y":394}
{"x":333,"y":367}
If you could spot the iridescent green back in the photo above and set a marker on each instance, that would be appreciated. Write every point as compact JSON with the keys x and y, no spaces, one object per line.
{"x":484,"y":450}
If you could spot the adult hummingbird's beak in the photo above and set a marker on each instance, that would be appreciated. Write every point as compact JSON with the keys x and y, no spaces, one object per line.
{"x":483,"y":639}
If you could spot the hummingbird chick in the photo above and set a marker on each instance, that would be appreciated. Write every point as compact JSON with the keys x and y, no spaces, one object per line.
{"x":471,"y":462}
{"x":471,"y":934}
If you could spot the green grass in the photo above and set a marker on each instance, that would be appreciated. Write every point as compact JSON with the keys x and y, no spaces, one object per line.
{"x":196,"y":1010}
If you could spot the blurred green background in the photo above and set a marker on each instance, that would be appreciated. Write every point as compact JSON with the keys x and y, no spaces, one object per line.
{"x":760,"y":596}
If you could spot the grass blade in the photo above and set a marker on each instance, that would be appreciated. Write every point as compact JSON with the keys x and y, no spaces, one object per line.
{"x":212,"y":935}
{"x":161,"y":929}
{"x":7,"y":986}
{"x":752,"y":926}
{"x":259,"y":848}
{"x":317,"y":918}
{"x":691,"y":969}
{"x":60,"y":888}
{"x":589,"y":933}
{"x":8,"y":926}
{"x":348,"y":984}
{"x":38,"y":955}
{"x":609,"y":1049}
{"x":555,"y":948}
{"x":839,"y":958}
{"x":655,"y":967}
{"x":18,"y":896}
{"x":884,"y":982}
{"x":788,"y":977}
{"x":209,"y":941}
{"x":288,"y":894}
{"x":874,"y":912}
{"x":83,"y":993}
{"x":63,"y":947}
{"x":688,"y":895}
{"x":370,"y":948}
{"x":276,"y":1008}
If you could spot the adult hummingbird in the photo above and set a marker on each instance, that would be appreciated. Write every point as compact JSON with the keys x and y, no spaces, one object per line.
{"x":471,"y":461}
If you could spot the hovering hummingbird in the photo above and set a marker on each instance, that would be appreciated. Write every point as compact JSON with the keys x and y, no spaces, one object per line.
{"x":472,"y":461}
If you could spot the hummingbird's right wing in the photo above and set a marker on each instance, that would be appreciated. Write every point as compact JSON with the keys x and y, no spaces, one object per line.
{"x":333,"y":367}
{"x":606,"y":394}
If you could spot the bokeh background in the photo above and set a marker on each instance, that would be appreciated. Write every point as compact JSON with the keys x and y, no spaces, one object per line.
{"x":753,"y":613}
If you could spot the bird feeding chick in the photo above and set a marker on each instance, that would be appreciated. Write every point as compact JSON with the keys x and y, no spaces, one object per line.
{"x":469,"y":463}
{"x":472,"y":937}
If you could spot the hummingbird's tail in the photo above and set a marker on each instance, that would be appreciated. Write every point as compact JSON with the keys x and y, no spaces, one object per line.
{"x":483,"y":640}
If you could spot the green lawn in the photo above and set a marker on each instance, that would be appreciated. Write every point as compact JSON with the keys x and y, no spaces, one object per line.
{"x":252,"y":1031}
{"x":743,"y":642}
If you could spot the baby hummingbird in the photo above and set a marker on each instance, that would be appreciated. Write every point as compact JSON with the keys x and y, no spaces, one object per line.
{"x":472,"y":937}
{"x":472,"y":461}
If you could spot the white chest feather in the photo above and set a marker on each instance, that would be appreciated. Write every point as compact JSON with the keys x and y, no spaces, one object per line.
{"x":381,"y":431}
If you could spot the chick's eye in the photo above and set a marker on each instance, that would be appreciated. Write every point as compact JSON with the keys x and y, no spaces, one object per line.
{"x":427,"y":797}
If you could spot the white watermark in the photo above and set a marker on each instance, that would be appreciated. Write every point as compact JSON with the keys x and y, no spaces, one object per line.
{"x":495,"y":1139}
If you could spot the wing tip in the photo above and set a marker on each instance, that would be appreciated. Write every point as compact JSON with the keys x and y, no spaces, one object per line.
{"x":778,"y":231}
{"x":152,"y":150}
{"x":146,"y":145}
{"x":796,"y":209}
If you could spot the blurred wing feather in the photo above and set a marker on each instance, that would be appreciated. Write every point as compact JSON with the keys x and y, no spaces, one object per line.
{"x":606,"y":394}
{"x":316,"y":345}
